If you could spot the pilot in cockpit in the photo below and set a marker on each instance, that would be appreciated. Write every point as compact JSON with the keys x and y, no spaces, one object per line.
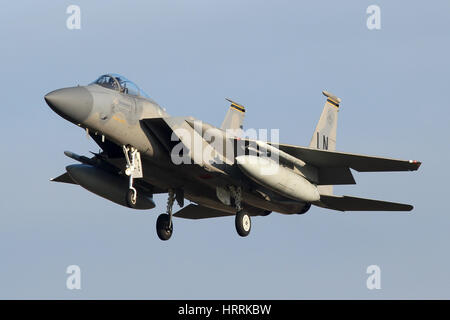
{"x":123,"y":87}
{"x":112,"y":83}
{"x":121,"y":84}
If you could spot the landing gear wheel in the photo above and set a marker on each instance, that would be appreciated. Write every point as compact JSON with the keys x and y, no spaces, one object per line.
{"x":243,"y":223}
{"x":164,"y":228}
{"x":131,"y":198}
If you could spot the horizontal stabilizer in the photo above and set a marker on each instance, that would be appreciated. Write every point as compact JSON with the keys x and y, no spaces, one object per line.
{"x":346,"y":203}
{"x":361,"y":163}
{"x":194,"y":211}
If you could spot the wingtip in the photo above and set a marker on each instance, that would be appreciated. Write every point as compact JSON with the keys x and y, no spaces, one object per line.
{"x":416,"y":164}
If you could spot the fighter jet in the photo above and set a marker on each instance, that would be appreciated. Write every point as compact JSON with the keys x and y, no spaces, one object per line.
{"x":221,"y":171}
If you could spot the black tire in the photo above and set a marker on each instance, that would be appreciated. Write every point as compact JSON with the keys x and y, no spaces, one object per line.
{"x":243,"y":223}
{"x":162,"y":227}
{"x":131,"y":199}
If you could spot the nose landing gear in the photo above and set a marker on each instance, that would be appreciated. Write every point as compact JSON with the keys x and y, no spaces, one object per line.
{"x":134,"y":171}
{"x":131,"y":197}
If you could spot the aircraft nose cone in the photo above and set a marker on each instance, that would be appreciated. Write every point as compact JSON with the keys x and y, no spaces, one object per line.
{"x":73,"y":104}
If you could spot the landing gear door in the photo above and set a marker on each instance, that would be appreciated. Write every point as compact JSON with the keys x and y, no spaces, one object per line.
{"x":138,"y":172}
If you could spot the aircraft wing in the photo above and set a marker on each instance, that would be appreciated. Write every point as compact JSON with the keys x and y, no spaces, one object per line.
{"x":361,"y":163}
{"x":165,"y":129}
{"x":346,"y":203}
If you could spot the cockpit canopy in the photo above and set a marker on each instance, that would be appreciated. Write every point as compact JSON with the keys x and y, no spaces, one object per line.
{"x":120,"y":83}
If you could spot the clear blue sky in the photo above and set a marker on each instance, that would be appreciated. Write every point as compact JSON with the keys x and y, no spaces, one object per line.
{"x":274,"y":57}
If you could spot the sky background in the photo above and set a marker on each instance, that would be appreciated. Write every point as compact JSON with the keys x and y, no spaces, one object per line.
{"x":274,"y":57}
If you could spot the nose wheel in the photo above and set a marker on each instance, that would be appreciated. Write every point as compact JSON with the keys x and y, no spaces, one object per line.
{"x":133,"y":170}
{"x":131,"y":197}
{"x":164,"y":225}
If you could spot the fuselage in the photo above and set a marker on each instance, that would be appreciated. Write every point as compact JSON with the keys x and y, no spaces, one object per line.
{"x":105,"y":109}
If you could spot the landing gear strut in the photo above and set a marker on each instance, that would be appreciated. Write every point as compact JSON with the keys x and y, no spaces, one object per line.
{"x":133,"y":170}
{"x":242,"y":220}
{"x":164,"y":225}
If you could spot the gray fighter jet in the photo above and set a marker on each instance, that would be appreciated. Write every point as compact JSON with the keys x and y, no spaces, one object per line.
{"x":222,"y":171}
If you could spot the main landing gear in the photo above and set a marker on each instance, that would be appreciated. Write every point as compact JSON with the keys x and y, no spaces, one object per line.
{"x":133,"y":171}
{"x":164,"y":225}
{"x":242,"y":220}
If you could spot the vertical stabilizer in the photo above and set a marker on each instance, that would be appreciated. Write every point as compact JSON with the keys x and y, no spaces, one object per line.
{"x":234,"y":118}
{"x":324,"y":137}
